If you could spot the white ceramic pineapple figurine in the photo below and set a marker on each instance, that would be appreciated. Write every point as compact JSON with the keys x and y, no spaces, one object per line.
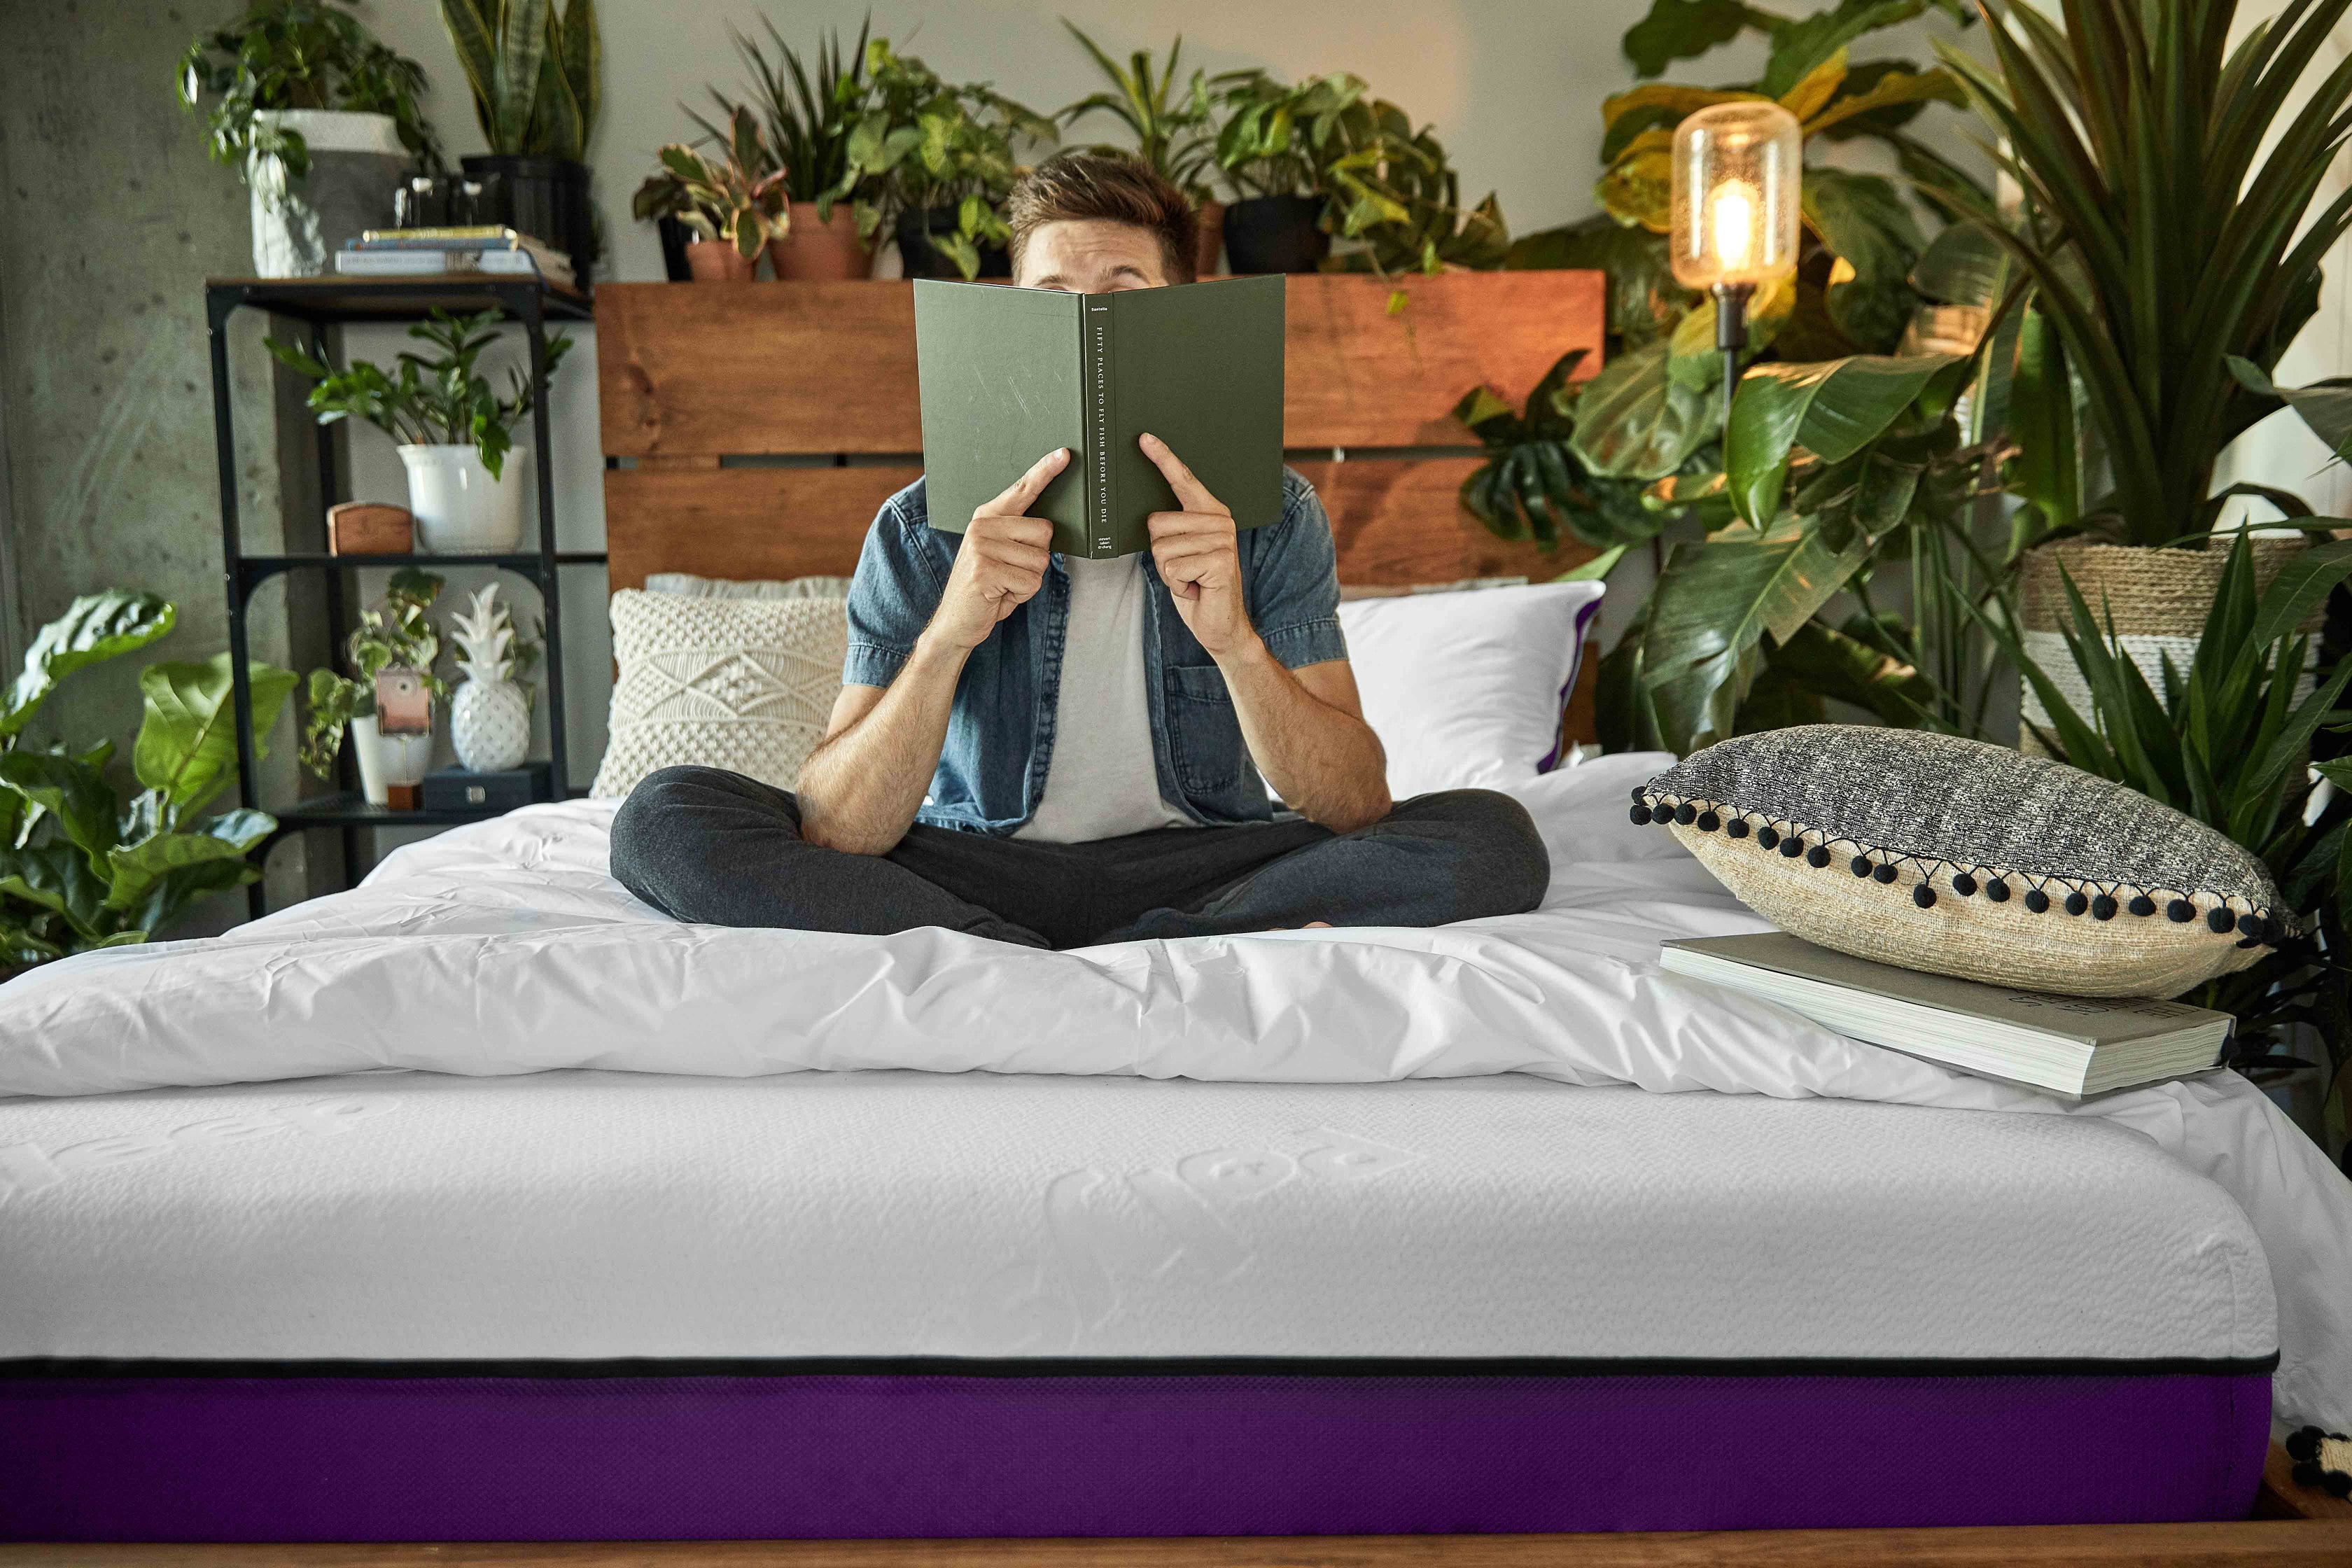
{"x":489,"y":717}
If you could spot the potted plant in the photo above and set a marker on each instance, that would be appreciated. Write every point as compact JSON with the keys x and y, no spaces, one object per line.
{"x":2167,"y":301}
{"x":82,"y":868}
{"x":935,"y":163}
{"x":1172,"y":128}
{"x":808,"y":124}
{"x":320,"y":117}
{"x":398,"y":637}
{"x":489,"y":717}
{"x":535,"y":76}
{"x":1274,"y":224}
{"x":732,"y":205}
{"x":454,"y":433}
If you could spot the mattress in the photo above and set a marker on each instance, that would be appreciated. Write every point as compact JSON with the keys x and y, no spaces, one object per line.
{"x":579,"y":1216}
{"x":606,"y":1304}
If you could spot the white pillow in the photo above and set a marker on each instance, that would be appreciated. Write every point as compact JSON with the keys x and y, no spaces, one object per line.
{"x":740,"y":684}
{"x":1465,"y":690}
{"x":694,"y":588}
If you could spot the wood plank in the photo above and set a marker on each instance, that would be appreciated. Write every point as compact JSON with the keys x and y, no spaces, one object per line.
{"x":2270,"y":1544}
{"x":741,"y":522}
{"x":1395,"y":522}
{"x":1400,"y":521}
{"x":1356,"y":375}
{"x":758,"y":369}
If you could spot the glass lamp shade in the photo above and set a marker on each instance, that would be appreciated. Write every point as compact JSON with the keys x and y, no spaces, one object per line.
{"x":1736,"y":191}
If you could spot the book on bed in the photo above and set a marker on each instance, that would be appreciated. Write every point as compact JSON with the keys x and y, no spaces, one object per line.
{"x":2072,"y":1045}
{"x":1009,"y":374}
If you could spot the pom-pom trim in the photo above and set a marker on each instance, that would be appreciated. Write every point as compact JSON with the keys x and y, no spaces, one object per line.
{"x":2224,"y":915}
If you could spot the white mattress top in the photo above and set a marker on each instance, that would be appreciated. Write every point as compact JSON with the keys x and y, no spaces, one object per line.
{"x":589,"y":1215}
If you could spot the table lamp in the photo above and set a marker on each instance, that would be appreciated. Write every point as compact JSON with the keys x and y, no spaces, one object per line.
{"x":1736,"y":189}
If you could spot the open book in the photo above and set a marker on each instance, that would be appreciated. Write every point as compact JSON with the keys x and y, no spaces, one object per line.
{"x":2073,"y":1046}
{"x":1009,"y":374}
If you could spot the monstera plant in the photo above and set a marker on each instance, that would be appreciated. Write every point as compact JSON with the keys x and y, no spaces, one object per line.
{"x":79,"y":865}
{"x":1855,"y":453}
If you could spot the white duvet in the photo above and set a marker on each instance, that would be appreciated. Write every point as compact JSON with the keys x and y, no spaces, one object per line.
{"x":507,"y":948}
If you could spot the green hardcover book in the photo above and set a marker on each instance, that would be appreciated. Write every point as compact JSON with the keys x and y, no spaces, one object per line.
{"x":1009,"y":374}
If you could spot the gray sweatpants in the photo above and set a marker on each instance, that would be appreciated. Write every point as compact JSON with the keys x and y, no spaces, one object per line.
{"x":713,"y":847}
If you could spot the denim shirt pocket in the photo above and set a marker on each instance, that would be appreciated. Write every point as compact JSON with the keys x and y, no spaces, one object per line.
{"x":1204,"y":732}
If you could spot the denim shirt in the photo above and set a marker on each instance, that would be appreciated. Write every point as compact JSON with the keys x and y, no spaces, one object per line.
{"x":1000,"y":740}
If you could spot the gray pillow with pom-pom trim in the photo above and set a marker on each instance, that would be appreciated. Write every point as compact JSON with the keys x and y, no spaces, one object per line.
{"x":1958,"y":857}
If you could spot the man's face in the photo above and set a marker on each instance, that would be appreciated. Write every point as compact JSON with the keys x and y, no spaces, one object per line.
{"x":1092,"y":256}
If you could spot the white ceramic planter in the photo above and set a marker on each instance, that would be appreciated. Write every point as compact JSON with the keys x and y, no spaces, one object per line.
{"x":460,"y":508}
{"x":356,"y":163}
{"x":388,"y":760}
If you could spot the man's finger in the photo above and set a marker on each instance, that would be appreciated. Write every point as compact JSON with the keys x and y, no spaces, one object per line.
{"x":1189,"y":491}
{"x":1013,"y":553}
{"x":1177,"y":524}
{"x":1016,"y":496}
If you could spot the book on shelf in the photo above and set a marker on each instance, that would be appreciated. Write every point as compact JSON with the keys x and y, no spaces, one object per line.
{"x":2072,"y":1046}
{"x":427,"y":263}
{"x":1009,"y":374}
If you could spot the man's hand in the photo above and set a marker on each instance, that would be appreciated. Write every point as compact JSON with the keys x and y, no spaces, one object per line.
{"x":1001,"y":562}
{"x":1195,"y":554}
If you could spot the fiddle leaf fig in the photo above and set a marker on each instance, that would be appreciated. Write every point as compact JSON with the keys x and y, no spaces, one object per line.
{"x":94,"y":628}
{"x":186,"y":748}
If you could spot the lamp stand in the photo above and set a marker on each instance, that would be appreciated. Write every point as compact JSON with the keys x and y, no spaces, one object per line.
{"x":1731,"y":337}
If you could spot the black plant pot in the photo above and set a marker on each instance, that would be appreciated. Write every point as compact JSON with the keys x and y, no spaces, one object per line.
{"x":546,"y":198}
{"x":1276,"y":234}
{"x":674,"y":238}
{"x":922,"y":259}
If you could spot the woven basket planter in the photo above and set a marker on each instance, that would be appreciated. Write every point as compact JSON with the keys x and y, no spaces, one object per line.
{"x":2158,"y":600}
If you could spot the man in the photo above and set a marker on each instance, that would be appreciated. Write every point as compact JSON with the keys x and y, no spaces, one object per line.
{"x":1057,"y":751}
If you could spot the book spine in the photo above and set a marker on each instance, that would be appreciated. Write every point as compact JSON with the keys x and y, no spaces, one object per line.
{"x":1102,"y":541}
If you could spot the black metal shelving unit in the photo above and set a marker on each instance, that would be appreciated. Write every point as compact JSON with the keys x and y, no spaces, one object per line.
{"x":319,"y":303}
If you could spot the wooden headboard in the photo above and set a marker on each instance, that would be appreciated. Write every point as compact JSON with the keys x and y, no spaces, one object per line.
{"x":752,"y":429}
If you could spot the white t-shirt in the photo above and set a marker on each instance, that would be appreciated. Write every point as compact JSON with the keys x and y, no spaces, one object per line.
{"x":1102,"y":782}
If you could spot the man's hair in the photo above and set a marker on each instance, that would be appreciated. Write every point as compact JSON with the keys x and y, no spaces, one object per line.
{"x":1077,"y":186}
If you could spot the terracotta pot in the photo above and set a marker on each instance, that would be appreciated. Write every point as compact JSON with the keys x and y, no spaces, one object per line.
{"x":718,"y":261}
{"x":815,"y":252}
{"x":1210,"y":244}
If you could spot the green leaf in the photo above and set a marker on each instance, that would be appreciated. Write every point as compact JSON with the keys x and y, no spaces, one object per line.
{"x":1964,"y":265}
{"x":1598,"y":568}
{"x":521,"y":45}
{"x":1887,"y":89}
{"x":1685,"y":29}
{"x":186,"y":748}
{"x":1863,"y":219}
{"x":1712,"y":605}
{"x":2326,"y":406}
{"x":136,"y":868}
{"x":1831,"y":410}
{"x":59,"y":877}
{"x":1635,"y":421}
{"x":71,"y":792}
{"x":1800,"y":48}
{"x":95,"y":627}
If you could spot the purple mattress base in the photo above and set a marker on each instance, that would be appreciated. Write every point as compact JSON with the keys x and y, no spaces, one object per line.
{"x":302,"y":1457}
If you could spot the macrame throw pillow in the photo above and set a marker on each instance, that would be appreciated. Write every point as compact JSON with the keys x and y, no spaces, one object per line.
{"x":1958,"y":857}
{"x":740,"y":684}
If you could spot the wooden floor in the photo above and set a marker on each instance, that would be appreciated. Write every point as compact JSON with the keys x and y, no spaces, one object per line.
{"x":2296,"y":1527}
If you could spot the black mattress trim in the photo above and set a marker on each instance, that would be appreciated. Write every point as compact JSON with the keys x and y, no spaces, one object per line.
{"x":101,"y":1367}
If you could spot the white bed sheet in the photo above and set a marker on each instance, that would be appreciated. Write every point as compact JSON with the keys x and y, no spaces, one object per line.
{"x":589,"y":1215}
{"x":507,"y":948}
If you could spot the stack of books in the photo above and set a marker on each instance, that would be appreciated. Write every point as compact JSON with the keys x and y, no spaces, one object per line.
{"x":2072,"y":1045}
{"x":422,"y":252}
